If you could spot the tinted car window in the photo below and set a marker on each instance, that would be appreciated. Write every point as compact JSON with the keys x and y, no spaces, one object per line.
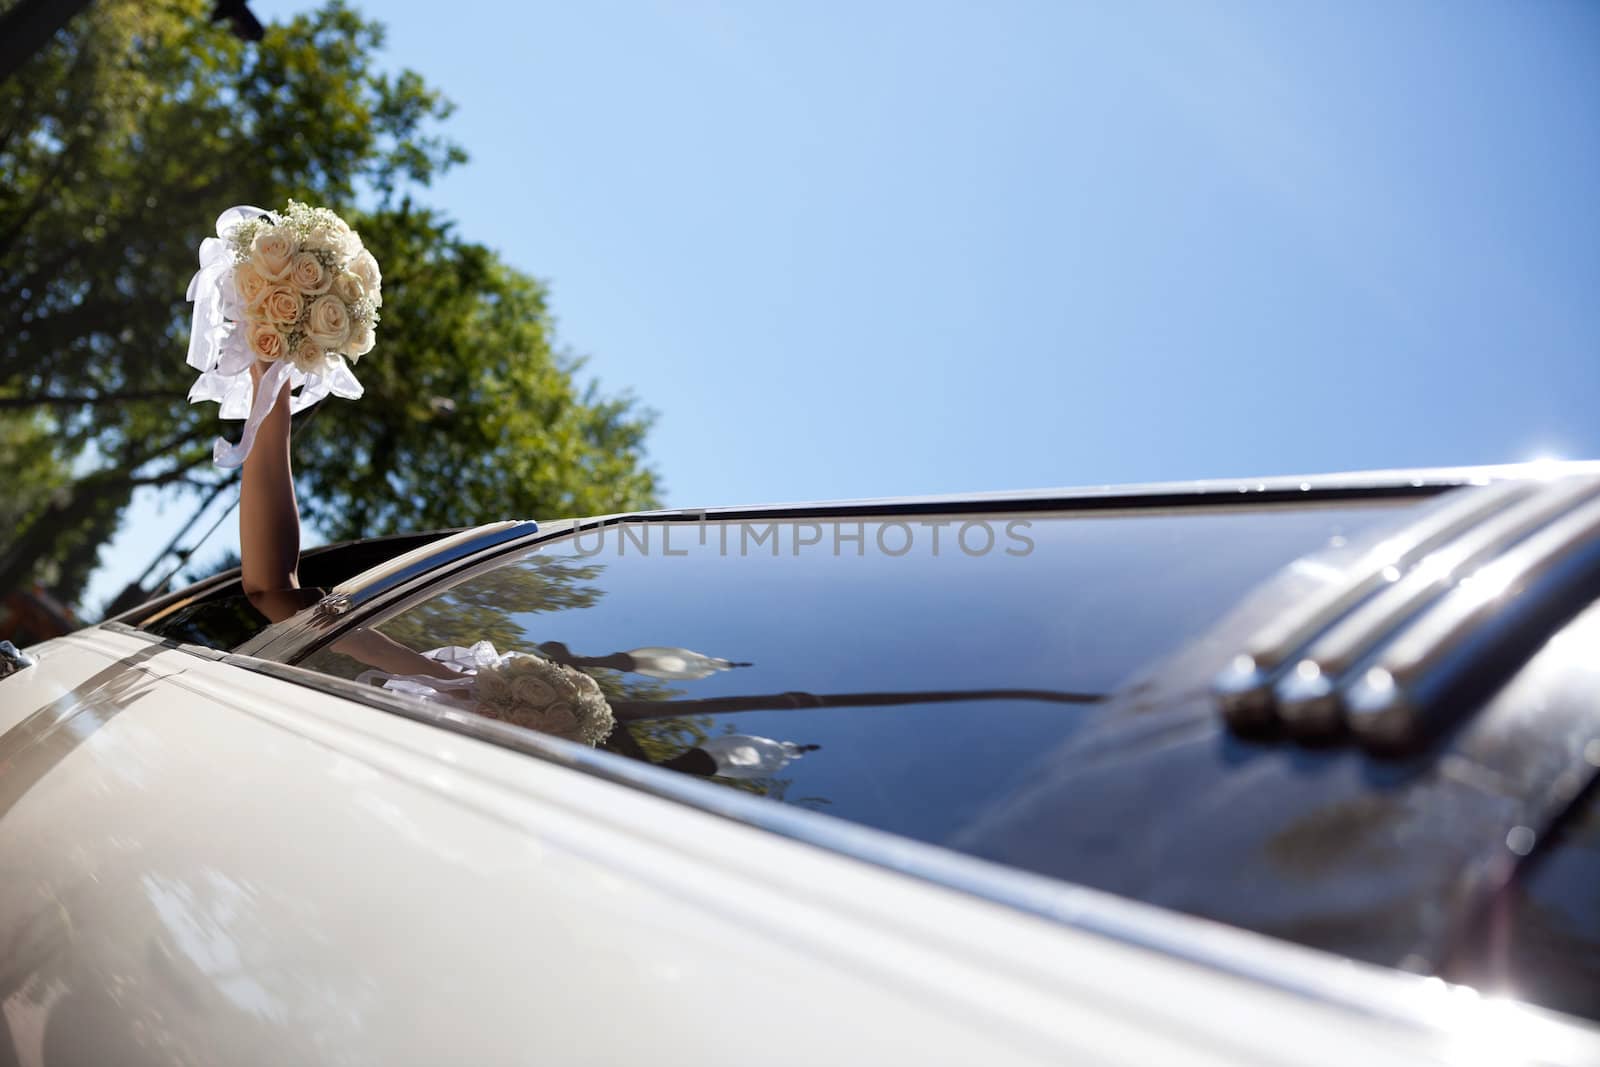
{"x":224,"y":619}
{"x":917,"y":666}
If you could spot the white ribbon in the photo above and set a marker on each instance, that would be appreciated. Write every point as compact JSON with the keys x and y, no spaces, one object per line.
{"x":468,"y":661}
{"x":229,"y":456}
{"x":219,"y":351}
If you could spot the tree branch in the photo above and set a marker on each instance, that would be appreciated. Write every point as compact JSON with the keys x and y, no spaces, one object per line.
{"x":27,"y":112}
{"x":49,"y":187}
{"x":18,"y":560}
{"x":13,"y":403}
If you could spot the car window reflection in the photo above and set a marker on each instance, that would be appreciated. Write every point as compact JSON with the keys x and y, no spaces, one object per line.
{"x":899,"y":672}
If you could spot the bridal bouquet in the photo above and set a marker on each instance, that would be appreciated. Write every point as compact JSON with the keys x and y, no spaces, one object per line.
{"x":295,"y":290}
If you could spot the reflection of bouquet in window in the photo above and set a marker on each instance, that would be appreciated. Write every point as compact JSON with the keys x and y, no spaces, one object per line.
{"x":532,"y":691}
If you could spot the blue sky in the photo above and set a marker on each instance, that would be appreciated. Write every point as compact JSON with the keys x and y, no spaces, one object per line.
{"x":870,"y":248}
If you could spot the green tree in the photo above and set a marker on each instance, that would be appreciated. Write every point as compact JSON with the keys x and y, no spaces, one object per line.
{"x":121,"y":142}
{"x":470,"y":414}
{"x":37,"y":476}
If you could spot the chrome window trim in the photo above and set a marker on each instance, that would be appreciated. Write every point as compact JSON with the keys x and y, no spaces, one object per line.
{"x":164,"y":603}
{"x":13,"y":659}
{"x":429,"y":557}
{"x":349,"y":602}
{"x":1404,"y":482}
{"x":1420,"y":1004}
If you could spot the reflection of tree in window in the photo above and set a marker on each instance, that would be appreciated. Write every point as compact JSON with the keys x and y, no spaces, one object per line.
{"x":485,"y":608}
{"x":619,"y":688}
{"x":662,"y":741}
{"x":494,"y":607}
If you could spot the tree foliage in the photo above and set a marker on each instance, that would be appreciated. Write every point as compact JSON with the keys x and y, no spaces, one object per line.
{"x":465,"y":371}
{"x":120,"y":143}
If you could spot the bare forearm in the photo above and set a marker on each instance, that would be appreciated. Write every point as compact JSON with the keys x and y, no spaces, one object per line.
{"x":269,"y":519}
{"x":385,"y":653}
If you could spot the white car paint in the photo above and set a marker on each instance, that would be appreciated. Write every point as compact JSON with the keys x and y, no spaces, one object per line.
{"x":208,"y":865}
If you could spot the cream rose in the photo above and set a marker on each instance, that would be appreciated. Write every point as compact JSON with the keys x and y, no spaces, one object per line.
{"x":250,"y":284}
{"x":272,"y":252}
{"x":347,"y":287}
{"x":280,"y":305}
{"x":308,"y":355}
{"x":328,"y":324}
{"x":336,"y":237}
{"x":362,"y":338}
{"x":266,"y":342}
{"x":349,"y":241}
{"x":309,"y":275}
{"x":366,"y":268}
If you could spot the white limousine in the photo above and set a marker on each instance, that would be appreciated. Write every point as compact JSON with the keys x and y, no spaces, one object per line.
{"x":1294,"y":771}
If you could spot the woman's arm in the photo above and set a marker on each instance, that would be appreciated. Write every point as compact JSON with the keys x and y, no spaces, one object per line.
{"x":269,"y":545}
{"x":269,"y":518}
{"x":386,"y":654}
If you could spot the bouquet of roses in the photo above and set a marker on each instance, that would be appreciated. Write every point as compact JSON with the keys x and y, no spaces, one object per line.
{"x":295,"y":290}
{"x":309,"y":291}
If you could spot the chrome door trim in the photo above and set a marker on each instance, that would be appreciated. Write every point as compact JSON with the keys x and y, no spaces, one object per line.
{"x":1391,"y":703}
{"x":14,"y":659}
{"x":1245,"y":687}
{"x":1300,"y":666}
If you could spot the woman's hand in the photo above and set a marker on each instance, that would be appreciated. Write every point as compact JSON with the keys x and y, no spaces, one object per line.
{"x":258,"y":369}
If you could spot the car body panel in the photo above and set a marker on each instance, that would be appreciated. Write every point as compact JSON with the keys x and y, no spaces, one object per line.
{"x":216,"y":858}
{"x":258,"y":873}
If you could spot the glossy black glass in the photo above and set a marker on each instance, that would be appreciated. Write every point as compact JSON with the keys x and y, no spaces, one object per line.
{"x":920,"y":663}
